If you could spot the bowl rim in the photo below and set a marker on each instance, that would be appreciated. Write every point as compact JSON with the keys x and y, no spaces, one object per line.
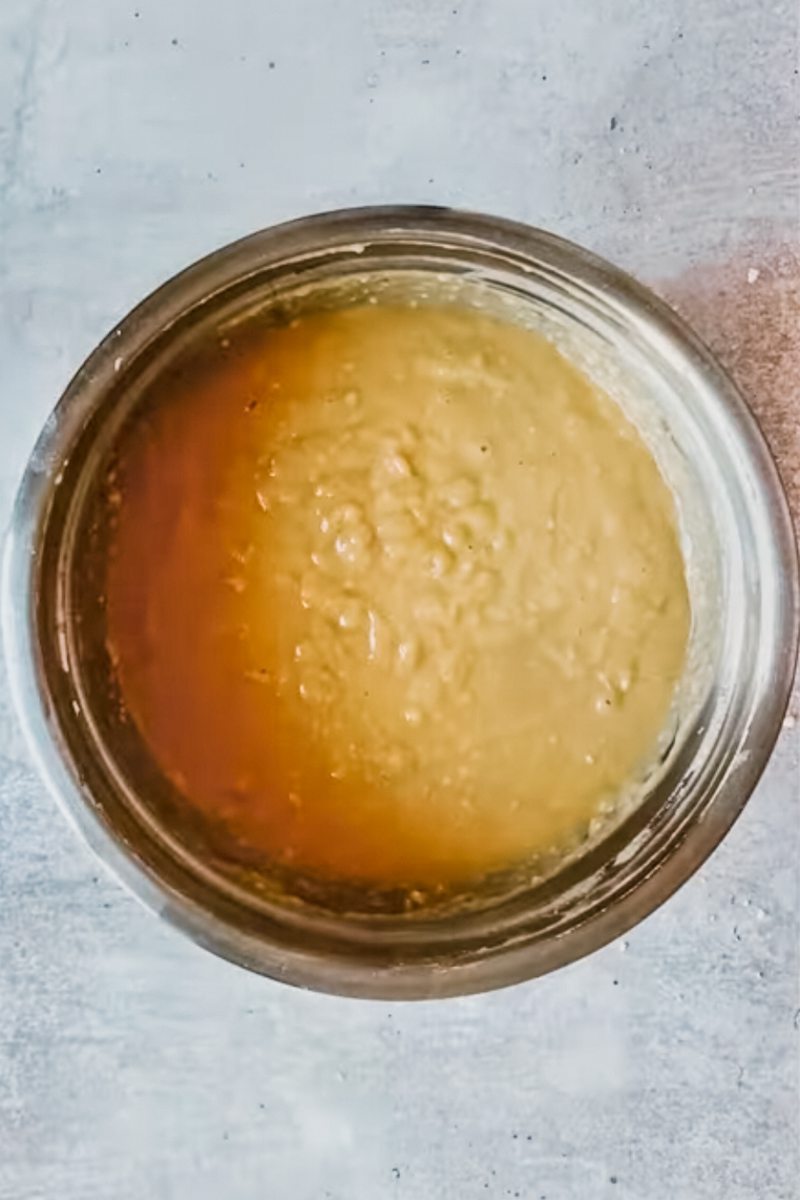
{"x":512,"y":963}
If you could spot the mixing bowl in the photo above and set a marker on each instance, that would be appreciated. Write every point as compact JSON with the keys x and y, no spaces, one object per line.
{"x":741,"y":567}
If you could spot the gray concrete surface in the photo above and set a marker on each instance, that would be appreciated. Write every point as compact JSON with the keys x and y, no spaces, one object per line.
{"x":134,"y":136}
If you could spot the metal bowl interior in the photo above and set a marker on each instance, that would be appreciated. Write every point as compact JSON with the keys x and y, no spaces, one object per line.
{"x":739,"y":543}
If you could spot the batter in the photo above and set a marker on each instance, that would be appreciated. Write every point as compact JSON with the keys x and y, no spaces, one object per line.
{"x":396,"y":594}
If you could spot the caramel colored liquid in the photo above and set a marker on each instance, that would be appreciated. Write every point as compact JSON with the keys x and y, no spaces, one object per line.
{"x":396,"y":594}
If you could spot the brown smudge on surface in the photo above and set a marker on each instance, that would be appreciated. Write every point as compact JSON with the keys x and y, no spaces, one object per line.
{"x":747,"y":309}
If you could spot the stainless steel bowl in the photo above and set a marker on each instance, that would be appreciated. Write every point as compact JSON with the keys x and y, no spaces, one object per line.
{"x":743,"y":577}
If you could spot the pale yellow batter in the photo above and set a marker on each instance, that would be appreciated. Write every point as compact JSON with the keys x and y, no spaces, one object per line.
{"x":397,"y":594}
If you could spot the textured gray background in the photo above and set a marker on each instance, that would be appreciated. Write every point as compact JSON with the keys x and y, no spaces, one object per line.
{"x":136,"y":135}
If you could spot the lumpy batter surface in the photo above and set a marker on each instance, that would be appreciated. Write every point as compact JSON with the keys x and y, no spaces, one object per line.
{"x":395,"y":594}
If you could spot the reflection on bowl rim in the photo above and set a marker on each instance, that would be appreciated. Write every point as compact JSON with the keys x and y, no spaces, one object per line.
{"x":632,"y":871}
